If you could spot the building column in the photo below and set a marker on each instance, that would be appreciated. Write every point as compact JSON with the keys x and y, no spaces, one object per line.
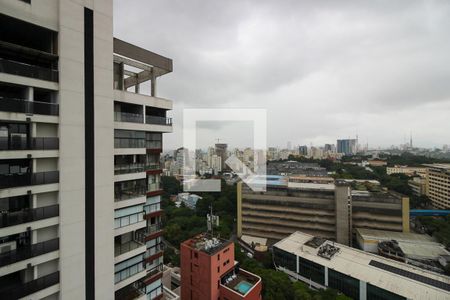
{"x":326,"y":276}
{"x":153,"y":84}
{"x":362,"y":290}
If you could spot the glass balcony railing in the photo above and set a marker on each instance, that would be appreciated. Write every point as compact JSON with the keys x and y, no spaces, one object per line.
{"x":28,"y":215}
{"x":155,"y":270}
{"x":19,"y":254}
{"x":128,"y":220}
{"x":154,"y":250}
{"x":21,"y":290}
{"x":17,"y":180}
{"x":149,"y":208}
{"x":155,"y":186}
{"x":158,"y":120}
{"x":128,"y":272}
{"x":125,"y":194}
{"x":22,"y":143}
{"x":28,"y":107}
{"x":153,"y":166}
{"x":129,"y":168}
{"x":120,"y":249}
{"x":131,"y":291}
{"x":23,"y":69}
{"x":129,"y":143}
{"x":128,"y":117}
{"x":153,"y":144}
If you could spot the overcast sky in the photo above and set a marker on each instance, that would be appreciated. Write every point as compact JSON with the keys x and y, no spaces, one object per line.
{"x":328,"y":70}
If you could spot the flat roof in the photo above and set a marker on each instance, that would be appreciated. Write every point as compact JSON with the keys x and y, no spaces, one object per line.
{"x":206,"y":243}
{"x":445,"y":167}
{"x":396,"y":277}
{"x":383,"y":235}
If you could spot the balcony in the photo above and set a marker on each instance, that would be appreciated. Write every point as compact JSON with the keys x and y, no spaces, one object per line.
{"x":26,"y":179}
{"x":28,"y":107}
{"x":131,"y":291}
{"x":157,"y":120}
{"x":26,"y":70}
{"x":20,"y":290}
{"x":128,"y":272}
{"x":129,"y":168}
{"x":13,"y":256}
{"x":150,"y":208}
{"x":155,"y":186}
{"x":153,"y":144}
{"x":28,"y":215}
{"x":156,"y":249}
{"x":120,"y":249}
{"x":128,"y":220}
{"x":128,"y":117}
{"x":37,"y":143}
{"x":125,"y":194}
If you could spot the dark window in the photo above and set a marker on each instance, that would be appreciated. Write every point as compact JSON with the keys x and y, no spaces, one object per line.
{"x":343,"y":283}
{"x":218,"y":256}
{"x":311,"y":270}
{"x":285,"y":259}
{"x":195,"y":254}
{"x":376,"y":293}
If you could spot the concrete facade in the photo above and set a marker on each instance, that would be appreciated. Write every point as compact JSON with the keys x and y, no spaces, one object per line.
{"x":79,"y":212}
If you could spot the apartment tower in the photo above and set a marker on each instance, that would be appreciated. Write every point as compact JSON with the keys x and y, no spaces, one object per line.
{"x":79,"y":155}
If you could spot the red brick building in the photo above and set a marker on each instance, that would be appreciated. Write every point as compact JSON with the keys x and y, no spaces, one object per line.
{"x":209,"y":271}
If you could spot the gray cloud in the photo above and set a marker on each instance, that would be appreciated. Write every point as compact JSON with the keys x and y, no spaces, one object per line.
{"x":323,"y":69}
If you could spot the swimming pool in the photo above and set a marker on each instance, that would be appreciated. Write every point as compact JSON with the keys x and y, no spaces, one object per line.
{"x":243,"y":287}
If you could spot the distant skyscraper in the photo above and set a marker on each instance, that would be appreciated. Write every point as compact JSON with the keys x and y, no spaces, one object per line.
{"x":347,"y":146}
{"x":303,"y":150}
{"x":289,"y":145}
{"x":221,"y":150}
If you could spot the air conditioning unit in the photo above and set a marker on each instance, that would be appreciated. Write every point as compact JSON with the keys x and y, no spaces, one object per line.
{"x":6,"y":247}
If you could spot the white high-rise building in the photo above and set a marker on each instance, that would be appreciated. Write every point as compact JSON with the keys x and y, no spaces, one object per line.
{"x":79,"y":155}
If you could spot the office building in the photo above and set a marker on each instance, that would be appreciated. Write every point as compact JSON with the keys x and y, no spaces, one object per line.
{"x":221,"y":151}
{"x":209,"y":271}
{"x":293,"y":168}
{"x":346,"y":146}
{"x":409,"y":171}
{"x":321,"y":207}
{"x":303,"y":150}
{"x":418,"y":185}
{"x":79,"y":156}
{"x":360,"y":275}
{"x":438,"y":185}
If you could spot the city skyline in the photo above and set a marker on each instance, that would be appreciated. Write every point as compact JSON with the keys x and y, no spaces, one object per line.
{"x":322,"y":71}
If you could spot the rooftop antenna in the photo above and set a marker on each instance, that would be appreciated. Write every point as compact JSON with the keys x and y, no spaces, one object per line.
{"x":211,"y":219}
{"x":410,"y":140}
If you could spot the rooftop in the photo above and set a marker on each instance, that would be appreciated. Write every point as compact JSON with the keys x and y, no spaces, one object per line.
{"x":373,"y":234}
{"x":388,"y":274}
{"x":444,"y":167}
{"x":206,"y":243}
{"x":240,"y":281}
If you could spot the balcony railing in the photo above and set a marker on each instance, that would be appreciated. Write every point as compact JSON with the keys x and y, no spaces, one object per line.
{"x":126,"y":194}
{"x":153,"y":271}
{"x":120,"y":249}
{"x":28,"y":107}
{"x":149,"y":208}
{"x":23,"y":253}
{"x":158,"y":120}
{"x":129,"y":168}
{"x":153,"y":166}
{"x":128,"y":117}
{"x":28,"y":215}
{"x":22,"y":69}
{"x":155,"y":186}
{"x":128,"y":272}
{"x":142,"y":233}
{"x":128,"y":220}
{"x":17,"y":180}
{"x":153,"y":144}
{"x":129,"y":143}
{"x":131,"y":291}
{"x":20,"y":290}
{"x":22,"y":143}
{"x":154,"y":250}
